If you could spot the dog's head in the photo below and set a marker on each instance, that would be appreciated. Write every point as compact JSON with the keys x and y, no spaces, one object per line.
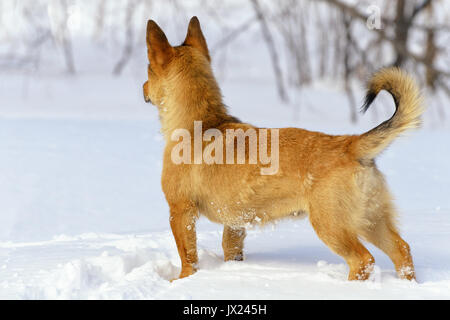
{"x":166,"y":63}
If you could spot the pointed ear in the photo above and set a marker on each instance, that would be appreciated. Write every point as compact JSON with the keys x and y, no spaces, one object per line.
{"x":160,"y":52}
{"x":195,"y":38}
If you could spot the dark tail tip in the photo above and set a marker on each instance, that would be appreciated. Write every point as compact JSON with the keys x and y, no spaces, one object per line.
{"x":370,"y":96}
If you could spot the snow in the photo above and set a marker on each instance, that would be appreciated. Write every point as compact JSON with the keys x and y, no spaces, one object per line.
{"x":83,"y":215}
{"x":287,"y":263}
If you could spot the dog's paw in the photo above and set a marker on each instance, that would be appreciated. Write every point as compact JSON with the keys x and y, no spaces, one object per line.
{"x":185,"y":272}
{"x":239,"y":257}
{"x":236,"y":257}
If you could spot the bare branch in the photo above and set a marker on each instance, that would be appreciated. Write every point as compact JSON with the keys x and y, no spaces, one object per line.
{"x":272,"y":50}
{"x":233,"y":35}
{"x":419,"y":8}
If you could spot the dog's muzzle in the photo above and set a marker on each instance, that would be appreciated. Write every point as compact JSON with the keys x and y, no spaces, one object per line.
{"x":146,"y":98}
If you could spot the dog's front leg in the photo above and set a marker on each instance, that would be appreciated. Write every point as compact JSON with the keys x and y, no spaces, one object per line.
{"x":183,"y":216}
{"x":233,"y":243}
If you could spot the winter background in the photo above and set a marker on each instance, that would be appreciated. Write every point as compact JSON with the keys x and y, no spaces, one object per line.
{"x":82,"y":214}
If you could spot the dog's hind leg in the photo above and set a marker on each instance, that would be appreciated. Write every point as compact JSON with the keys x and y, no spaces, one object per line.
{"x":383,"y":234}
{"x":183,"y":216}
{"x":233,"y":243}
{"x":344,"y":242}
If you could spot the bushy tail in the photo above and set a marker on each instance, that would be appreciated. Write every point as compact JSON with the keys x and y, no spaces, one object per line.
{"x":408,"y":111}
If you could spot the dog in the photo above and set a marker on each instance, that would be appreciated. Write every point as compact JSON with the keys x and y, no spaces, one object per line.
{"x":333,"y":180}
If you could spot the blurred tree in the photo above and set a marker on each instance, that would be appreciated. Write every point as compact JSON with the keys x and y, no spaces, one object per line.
{"x":346,"y":48}
{"x":307,"y":40}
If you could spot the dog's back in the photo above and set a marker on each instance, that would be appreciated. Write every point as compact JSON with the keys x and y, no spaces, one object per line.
{"x":332,"y":179}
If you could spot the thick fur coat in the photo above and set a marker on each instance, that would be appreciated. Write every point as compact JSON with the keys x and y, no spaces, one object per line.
{"x":333,"y":180}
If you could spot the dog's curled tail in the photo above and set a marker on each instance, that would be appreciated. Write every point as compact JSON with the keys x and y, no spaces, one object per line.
{"x":408,"y":111}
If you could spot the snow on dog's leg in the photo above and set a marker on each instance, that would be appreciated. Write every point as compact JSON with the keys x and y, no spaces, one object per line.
{"x":233,"y":243}
{"x":183,"y":216}
{"x":399,"y":252}
{"x":344,"y":242}
{"x":381,"y":230}
{"x":385,"y":236}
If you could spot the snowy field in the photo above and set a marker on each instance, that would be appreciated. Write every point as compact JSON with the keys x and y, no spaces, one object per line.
{"x":82,"y":214}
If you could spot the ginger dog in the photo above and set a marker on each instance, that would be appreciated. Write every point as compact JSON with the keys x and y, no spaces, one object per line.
{"x":331,"y":179}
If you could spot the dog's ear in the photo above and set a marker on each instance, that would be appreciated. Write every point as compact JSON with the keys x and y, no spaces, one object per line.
{"x":195,"y":38}
{"x":160,"y":51}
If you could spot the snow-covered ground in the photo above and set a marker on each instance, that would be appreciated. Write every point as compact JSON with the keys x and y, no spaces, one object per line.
{"x":83,"y":215}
